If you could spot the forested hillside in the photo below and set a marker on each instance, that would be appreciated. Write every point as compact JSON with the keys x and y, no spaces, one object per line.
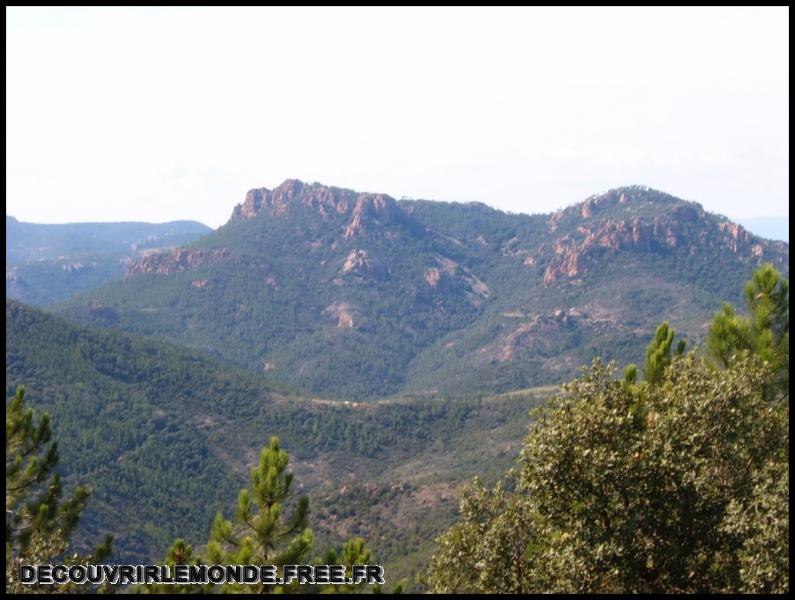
{"x":671,"y":479}
{"x":165,"y":437}
{"x":48,"y":263}
{"x":357,"y":295}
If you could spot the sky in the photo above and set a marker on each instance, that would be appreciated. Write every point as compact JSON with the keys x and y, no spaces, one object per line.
{"x":157,"y":114}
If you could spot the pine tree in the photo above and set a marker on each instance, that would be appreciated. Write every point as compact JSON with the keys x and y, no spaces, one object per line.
{"x":39,"y":520}
{"x":354,"y":552}
{"x":658,"y":353}
{"x":180,"y":553}
{"x":765,"y":332}
{"x":261,"y":533}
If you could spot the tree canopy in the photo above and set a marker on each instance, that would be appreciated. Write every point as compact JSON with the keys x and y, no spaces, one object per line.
{"x":39,"y":517}
{"x":678,"y":483}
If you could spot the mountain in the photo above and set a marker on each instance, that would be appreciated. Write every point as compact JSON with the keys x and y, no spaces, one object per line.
{"x":346,"y":294}
{"x":47,"y":263}
{"x":166,"y":436}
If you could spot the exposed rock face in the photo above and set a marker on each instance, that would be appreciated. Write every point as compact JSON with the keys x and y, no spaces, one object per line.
{"x":277,"y":202}
{"x":537,"y":335}
{"x":363,"y":209}
{"x":570,"y":254}
{"x":600,"y":225}
{"x":343,"y":313}
{"x":556,"y":218}
{"x":345,"y":320}
{"x":177,"y":261}
{"x":737,"y":235}
{"x":628,"y":196}
{"x":359,"y":262}
{"x":435,"y":278}
{"x":374,"y":208}
{"x":450,"y":275}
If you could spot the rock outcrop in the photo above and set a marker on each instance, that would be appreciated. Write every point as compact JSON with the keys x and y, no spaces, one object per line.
{"x":177,"y":261}
{"x":635,"y":218}
{"x":277,"y":202}
{"x":359,"y":262}
{"x":344,"y":313}
{"x":361,"y":211}
{"x":372,"y":209}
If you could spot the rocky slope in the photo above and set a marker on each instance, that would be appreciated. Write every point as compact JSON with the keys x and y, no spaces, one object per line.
{"x":342,"y":293}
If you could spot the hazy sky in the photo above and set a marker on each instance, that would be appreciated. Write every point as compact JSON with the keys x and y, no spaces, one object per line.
{"x":160,"y":114}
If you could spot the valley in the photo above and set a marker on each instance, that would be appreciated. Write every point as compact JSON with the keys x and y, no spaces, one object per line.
{"x":395,"y":347}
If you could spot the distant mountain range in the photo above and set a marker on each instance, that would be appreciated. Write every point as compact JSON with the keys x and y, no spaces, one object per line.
{"x":47,"y":263}
{"x":170,"y":353}
{"x":346,"y":294}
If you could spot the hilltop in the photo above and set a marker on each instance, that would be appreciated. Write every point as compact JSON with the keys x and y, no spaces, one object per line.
{"x":335,"y":292}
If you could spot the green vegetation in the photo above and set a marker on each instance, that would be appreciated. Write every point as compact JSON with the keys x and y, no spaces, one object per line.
{"x":434,"y":325}
{"x":49,"y":263}
{"x":678,"y":483}
{"x":262,"y":535}
{"x":39,"y":519}
{"x":451,"y":297}
{"x":139,"y":418}
{"x":765,"y":332}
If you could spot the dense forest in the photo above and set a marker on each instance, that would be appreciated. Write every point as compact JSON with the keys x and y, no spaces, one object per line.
{"x":328,"y":291}
{"x":395,"y":349}
{"x":136,"y":417}
{"x":672,"y":477}
{"x":673,"y":481}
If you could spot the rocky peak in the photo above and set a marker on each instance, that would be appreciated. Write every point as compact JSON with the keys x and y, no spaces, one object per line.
{"x":638,"y":218}
{"x":277,"y":201}
{"x":622,"y":202}
{"x":374,"y":208}
{"x":361,"y":208}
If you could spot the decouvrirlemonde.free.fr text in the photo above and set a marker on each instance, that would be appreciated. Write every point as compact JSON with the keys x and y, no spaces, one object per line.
{"x":200,"y":574}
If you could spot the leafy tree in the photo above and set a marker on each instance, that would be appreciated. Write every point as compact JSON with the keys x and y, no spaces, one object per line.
{"x":678,"y":483}
{"x":490,"y":550}
{"x":39,"y":519}
{"x":763,"y":525}
{"x":673,"y":502}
